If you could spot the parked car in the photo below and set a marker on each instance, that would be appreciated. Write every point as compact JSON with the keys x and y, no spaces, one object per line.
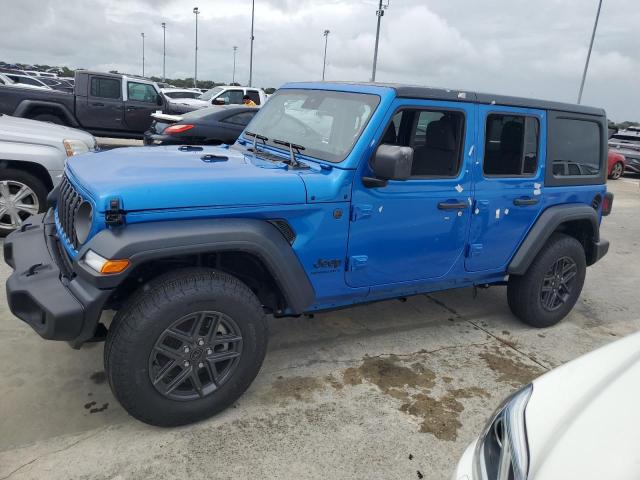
{"x":6,"y":81}
{"x":57,"y":84}
{"x":224,"y":95}
{"x":577,"y":421}
{"x":616,"y":164}
{"x":335,"y":194}
{"x":208,"y":126}
{"x":27,"y":80}
{"x":627,"y":143}
{"x":104,"y":104}
{"x":32,"y":158}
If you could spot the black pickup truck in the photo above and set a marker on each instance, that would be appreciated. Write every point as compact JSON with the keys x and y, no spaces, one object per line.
{"x":104,"y":104}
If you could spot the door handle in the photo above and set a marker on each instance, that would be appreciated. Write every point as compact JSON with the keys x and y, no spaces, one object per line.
{"x":522,"y":201}
{"x":131,"y":109}
{"x":452,"y":205}
{"x":97,"y":104}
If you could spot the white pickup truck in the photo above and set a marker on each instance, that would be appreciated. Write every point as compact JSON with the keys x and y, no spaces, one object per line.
{"x":226,"y":95}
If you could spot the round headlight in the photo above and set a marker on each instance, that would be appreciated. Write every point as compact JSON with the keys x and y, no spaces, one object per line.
{"x":82,"y":221}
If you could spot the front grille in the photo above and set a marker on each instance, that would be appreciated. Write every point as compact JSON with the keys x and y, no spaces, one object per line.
{"x":68,"y":202}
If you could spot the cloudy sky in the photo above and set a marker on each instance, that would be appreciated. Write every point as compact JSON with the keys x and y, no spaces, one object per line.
{"x":519,"y":47}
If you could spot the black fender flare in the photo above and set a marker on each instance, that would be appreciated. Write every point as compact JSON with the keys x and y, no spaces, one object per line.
{"x":26,"y":106}
{"x":547,"y":223}
{"x":143,"y":242}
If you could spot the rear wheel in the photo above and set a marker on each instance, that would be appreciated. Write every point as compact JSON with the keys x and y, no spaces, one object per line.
{"x":550,"y":288}
{"x":186,"y":347}
{"x":21,"y":195}
{"x":617,"y":171}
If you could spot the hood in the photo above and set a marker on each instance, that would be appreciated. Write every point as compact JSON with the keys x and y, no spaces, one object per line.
{"x":165,"y":177}
{"x":582,"y":418}
{"x":32,"y":131}
{"x":193,"y":102}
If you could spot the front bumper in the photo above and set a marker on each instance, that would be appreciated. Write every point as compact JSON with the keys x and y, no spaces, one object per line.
{"x":43,"y":291}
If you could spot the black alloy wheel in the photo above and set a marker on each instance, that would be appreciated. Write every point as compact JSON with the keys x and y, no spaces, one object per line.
{"x":557,"y":284}
{"x":196,"y":355}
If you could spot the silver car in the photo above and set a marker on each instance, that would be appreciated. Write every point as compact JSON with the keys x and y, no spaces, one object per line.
{"x":32,"y":158}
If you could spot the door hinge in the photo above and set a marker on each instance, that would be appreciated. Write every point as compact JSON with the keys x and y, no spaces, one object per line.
{"x":359,"y":212}
{"x":357,"y":262}
{"x":114,"y":216}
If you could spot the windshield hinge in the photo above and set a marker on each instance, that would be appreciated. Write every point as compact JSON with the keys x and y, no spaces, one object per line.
{"x":114,"y":216}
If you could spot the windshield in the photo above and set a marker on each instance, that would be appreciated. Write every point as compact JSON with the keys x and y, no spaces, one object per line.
{"x":327,"y":124}
{"x":209,"y":94}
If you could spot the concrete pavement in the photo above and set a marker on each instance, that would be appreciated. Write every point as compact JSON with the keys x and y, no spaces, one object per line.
{"x":389,"y":390}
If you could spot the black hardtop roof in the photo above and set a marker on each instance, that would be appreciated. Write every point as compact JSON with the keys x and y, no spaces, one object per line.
{"x":429,"y":93}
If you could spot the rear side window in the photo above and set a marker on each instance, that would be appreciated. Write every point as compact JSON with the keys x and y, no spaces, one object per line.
{"x":241,"y":119}
{"x":105,"y":87}
{"x":511,"y":145}
{"x":141,"y":92}
{"x":254,"y":95}
{"x":577,"y":148}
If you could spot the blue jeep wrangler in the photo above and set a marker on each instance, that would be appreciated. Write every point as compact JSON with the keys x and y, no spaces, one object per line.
{"x":335,"y":194}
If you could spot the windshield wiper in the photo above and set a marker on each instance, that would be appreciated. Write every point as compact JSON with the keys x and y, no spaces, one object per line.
{"x":293,"y":161}
{"x":256,"y":137}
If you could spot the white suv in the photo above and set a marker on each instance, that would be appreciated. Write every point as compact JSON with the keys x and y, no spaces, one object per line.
{"x":32,"y":158}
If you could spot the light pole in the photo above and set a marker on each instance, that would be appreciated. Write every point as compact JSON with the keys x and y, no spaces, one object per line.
{"x":253,"y":8}
{"x":586,"y":65}
{"x":142,"y":34}
{"x":379,"y":14}
{"x":164,"y":50}
{"x":324,"y":62}
{"x":195,"y":75}
{"x":235,"y":49}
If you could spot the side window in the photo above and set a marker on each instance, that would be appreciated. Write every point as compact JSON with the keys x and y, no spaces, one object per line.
{"x":232,"y":97}
{"x":105,"y":87}
{"x":254,"y":95}
{"x":511,"y":145}
{"x":141,"y":92}
{"x":241,"y":119}
{"x":436,"y":138}
{"x":577,"y":148}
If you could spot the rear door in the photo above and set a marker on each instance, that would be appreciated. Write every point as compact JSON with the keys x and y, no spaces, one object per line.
{"x":101,"y":107}
{"x":508,"y":183}
{"x":141,"y":102}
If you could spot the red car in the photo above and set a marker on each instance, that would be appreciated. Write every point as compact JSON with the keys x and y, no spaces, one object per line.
{"x":616,"y":165}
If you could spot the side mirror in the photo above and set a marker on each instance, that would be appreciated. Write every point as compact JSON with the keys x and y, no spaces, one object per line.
{"x":159,"y":100}
{"x":390,"y":162}
{"x":218,"y":101}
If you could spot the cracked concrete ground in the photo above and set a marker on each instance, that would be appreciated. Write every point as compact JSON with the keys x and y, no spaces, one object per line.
{"x":389,"y":390}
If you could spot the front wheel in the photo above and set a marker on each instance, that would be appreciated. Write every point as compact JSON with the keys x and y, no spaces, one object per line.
{"x":550,"y":288}
{"x":21,"y":195}
{"x":185,"y":347}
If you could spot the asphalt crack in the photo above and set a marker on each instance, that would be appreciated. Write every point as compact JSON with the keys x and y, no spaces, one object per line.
{"x":504,"y":342}
{"x":48,"y":454}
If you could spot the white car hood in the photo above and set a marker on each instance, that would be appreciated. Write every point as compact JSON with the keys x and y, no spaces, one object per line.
{"x":583,"y":419}
{"x":32,"y":131}
{"x":190,"y":101}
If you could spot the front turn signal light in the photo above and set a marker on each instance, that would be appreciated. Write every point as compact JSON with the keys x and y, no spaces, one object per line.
{"x":104,"y":265}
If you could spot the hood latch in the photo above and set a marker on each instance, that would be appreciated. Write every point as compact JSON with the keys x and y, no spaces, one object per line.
{"x":114,"y":216}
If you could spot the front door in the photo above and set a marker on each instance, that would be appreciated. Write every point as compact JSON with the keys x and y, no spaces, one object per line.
{"x":142,"y":101}
{"x":415,"y":229}
{"x":508,"y":183}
